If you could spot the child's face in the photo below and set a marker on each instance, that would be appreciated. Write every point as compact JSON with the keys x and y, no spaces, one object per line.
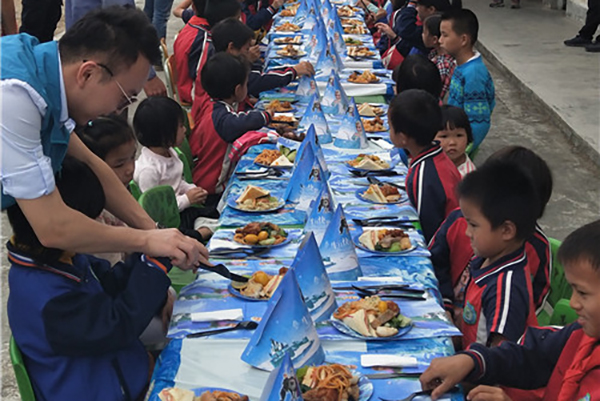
{"x":454,"y":143}
{"x":586,"y":295}
{"x":487,"y":242}
{"x":450,"y":40}
{"x":428,"y":40}
{"x":180,"y":135}
{"x":122,"y":161}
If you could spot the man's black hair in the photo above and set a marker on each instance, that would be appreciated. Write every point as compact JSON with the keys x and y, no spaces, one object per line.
{"x":417,"y":115}
{"x":218,"y":10}
{"x":231,"y":30}
{"x":157,"y":120}
{"x":200,"y":6}
{"x":418,"y":72}
{"x":105,"y":134}
{"x":222,"y":73}
{"x":533,"y":165}
{"x":79,"y":188}
{"x":503,"y":192}
{"x":464,"y":22}
{"x":114,"y":36}
{"x":454,"y":117}
{"x":432,"y":23}
{"x":582,"y":245}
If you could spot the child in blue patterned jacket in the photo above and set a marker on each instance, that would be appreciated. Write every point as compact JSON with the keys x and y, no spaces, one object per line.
{"x":472,"y":87}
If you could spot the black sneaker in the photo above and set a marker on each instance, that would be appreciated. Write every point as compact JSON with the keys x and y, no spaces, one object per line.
{"x":593,"y":48}
{"x":577,"y":41}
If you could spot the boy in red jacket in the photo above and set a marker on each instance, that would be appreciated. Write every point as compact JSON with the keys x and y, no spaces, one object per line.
{"x":566,"y":361}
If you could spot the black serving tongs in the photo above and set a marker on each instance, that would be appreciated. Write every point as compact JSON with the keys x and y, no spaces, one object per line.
{"x":377,"y":181}
{"x":222,"y":270}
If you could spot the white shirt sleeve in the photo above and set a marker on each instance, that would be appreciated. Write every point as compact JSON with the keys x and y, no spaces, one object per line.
{"x":26,"y":172}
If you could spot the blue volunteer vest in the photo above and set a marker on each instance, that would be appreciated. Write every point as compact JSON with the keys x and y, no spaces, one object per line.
{"x":25,"y":59}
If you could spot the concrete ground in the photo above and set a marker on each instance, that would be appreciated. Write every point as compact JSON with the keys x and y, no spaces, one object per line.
{"x":519,"y":119}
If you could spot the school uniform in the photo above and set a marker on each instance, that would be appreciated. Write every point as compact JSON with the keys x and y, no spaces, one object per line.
{"x":191,"y":49}
{"x":430,"y":186}
{"x":259,"y":81}
{"x":257,"y":18}
{"x":539,"y":254}
{"x":214,"y":138}
{"x":566,"y":362}
{"x":498,"y":299}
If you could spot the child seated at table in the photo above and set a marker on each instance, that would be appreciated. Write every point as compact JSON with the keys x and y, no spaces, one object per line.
{"x":415,"y":118}
{"x":158,"y":124}
{"x":225,"y":78}
{"x":444,"y":62}
{"x":455,"y":137}
{"x":500,"y":205}
{"x":471,"y":87}
{"x":258,"y":14}
{"x":234,"y":37}
{"x":417,"y":72}
{"x":75,"y":319}
{"x":565,"y":361}
{"x":451,"y":249}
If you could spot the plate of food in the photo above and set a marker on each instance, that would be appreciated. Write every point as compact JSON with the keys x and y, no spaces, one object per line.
{"x":287,"y":27}
{"x":291,"y":51}
{"x":374,"y":124}
{"x":364,"y":162}
{"x":380,"y":194}
{"x":351,"y":22}
{"x":371,"y":318}
{"x":347,"y":11}
{"x":261,"y":235}
{"x":349,"y":41}
{"x":355,"y":30}
{"x":274,"y":158}
{"x":333,"y":382}
{"x":367,"y":77}
{"x":384,"y":241}
{"x":284,"y":119}
{"x":200,"y":394}
{"x":288,"y":40}
{"x":360,"y":52}
{"x":280,"y":106}
{"x":260,"y":287}
{"x":370,"y":110}
{"x":254,"y":200}
{"x":289,"y":11}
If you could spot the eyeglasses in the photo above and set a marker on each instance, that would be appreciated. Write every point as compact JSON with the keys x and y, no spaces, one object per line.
{"x":129,"y":100}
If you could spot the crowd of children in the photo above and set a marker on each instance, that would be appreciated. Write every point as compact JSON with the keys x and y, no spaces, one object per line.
{"x":491,"y":258}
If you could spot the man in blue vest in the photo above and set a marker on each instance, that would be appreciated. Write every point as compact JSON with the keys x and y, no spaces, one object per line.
{"x":98,"y":67}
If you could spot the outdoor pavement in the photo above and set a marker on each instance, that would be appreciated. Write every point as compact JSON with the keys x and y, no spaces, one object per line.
{"x":545,"y":93}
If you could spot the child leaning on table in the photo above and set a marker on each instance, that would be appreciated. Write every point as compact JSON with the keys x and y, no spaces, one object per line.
{"x":472,"y":87}
{"x":455,"y":136}
{"x":225,"y":78}
{"x":565,"y":361}
{"x":500,"y":205}
{"x":76,"y":320}
{"x":159,"y":126}
{"x":415,"y":118}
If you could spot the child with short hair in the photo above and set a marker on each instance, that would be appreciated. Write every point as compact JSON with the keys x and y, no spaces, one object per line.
{"x":415,"y":118}
{"x":455,"y":137}
{"x":443,"y":61}
{"x":158,"y":124}
{"x":225,"y":78}
{"x":417,"y":72}
{"x":472,"y":87}
{"x":500,"y":206}
{"x":565,"y":361}
{"x":75,"y":319}
{"x":235,"y":37}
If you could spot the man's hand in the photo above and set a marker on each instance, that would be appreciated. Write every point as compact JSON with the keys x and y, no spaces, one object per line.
{"x":304,"y":68}
{"x":254,"y":54}
{"x":445,"y":373}
{"x":487,"y":393}
{"x":155,"y":87}
{"x":385,"y":29}
{"x":277,"y":4}
{"x":196,"y":195}
{"x":185,"y":252}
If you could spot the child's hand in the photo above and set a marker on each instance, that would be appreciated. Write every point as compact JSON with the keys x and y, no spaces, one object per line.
{"x":277,"y":4}
{"x":196,"y":195}
{"x":254,"y":53}
{"x":304,"y":68}
{"x":385,"y":29}
{"x":487,"y":393}
{"x":444,"y":373}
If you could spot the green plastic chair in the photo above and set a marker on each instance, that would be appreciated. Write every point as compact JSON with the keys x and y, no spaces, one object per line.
{"x":471,"y":152}
{"x":559,"y":290}
{"x":135,"y":190}
{"x":187,"y":152}
{"x":563,"y":314}
{"x":23,"y":382}
{"x":187,"y":170}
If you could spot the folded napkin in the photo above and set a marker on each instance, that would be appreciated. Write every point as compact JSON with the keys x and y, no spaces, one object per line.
{"x":386,"y":280}
{"x":218,"y":315}
{"x":382,"y":143}
{"x":393,"y":361}
{"x":218,"y":244}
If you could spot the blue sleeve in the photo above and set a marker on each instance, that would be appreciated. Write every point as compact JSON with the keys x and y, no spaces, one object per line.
{"x":478,"y":103}
{"x":258,"y":20}
{"x":80,"y":323}
{"x":527,"y":366}
{"x":409,"y":33}
{"x":440,"y":257}
{"x":263,"y":81}
{"x":230,"y":126}
{"x":187,"y":15}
